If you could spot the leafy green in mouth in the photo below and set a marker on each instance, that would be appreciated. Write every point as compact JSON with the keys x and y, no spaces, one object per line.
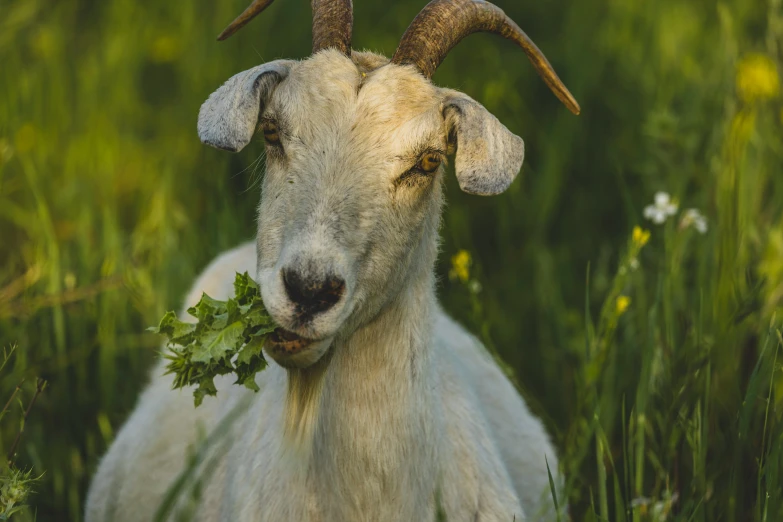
{"x":227,"y":337}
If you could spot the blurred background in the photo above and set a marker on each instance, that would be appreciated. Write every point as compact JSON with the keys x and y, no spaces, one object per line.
{"x":645,"y":337}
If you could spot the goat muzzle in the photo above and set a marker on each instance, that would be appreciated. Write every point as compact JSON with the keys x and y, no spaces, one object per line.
{"x":291,"y":350}
{"x":286,"y":343}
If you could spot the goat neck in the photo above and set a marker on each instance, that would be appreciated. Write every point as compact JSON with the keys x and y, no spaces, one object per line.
{"x":375,"y":438}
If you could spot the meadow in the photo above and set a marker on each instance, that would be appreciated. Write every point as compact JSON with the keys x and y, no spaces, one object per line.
{"x":648,"y":339}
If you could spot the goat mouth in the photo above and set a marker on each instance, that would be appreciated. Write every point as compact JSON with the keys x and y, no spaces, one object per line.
{"x":284,"y":342}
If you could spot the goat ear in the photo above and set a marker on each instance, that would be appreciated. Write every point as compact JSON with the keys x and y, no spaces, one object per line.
{"x":488,"y":155}
{"x":227,"y":120}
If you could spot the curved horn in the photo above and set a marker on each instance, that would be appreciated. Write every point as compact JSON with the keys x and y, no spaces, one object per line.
{"x":442,"y":24}
{"x":332,"y":23}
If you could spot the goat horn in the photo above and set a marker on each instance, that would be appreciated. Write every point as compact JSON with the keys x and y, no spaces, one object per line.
{"x":332,"y":23}
{"x":442,"y":24}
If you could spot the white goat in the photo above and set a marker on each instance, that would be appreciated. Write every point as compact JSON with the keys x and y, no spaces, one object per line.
{"x":381,"y":408}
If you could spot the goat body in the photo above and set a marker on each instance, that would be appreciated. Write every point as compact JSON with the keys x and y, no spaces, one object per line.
{"x":386,"y":410}
{"x":414,"y":413}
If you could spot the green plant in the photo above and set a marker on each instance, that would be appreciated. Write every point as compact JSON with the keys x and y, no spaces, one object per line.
{"x":16,"y":484}
{"x":110,"y":206}
{"x":228,"y":337}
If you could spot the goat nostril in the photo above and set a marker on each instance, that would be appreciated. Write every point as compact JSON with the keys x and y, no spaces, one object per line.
{"x":313,"y":295}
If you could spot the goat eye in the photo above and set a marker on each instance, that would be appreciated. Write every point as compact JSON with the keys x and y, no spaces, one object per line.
{"x":271,"y":133}
{"x":429,"y":162}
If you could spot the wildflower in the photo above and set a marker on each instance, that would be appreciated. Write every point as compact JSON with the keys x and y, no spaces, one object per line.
{"x":662,"y":208}
{"x":634,"y":263}
{"x":641,"y":503}
{"x":693,"y":218}
{"x":757,"y":78}
{"x":15,"y":487}
{"x":622,"y":303}
{"x":460,"y":266}
{"x":662,"y":508}
{"x":640,"y":236}
{"x":474,"y":286}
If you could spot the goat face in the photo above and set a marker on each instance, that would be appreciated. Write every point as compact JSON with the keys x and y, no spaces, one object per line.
{"x":352,"y":191}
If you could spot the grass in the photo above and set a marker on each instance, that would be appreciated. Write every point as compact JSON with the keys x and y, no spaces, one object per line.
{"x":660,"y":383}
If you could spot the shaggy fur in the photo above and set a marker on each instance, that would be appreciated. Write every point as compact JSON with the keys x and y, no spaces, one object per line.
{"x":395,"y":412}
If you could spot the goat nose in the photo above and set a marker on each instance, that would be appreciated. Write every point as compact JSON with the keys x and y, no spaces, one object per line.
{"x":311,"y":294}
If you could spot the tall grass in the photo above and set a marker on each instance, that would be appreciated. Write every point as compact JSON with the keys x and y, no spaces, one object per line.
{"x":655,"y":364}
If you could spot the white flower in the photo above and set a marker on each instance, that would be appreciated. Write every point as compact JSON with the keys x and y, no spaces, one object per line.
{"x":662,"y":508}
{"x":663,"y":207}
{"x":640,"y":501}
{"x":693,"y":218}
{"x":634,"y":263}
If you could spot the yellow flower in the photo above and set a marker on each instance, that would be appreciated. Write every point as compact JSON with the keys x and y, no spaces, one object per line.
{"x":622,"y":304}
{"x":757,"y":78}
{"x":460,"y":266}
{"x":640,"y":236}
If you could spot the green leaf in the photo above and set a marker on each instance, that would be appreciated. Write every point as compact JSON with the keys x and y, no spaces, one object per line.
{"x":249,"y":362}
{"x":249,"y":382}
{"x":216,"y":344}
{"x":171,"y":326}
{"x":206,"y":387}
{"x":250,"y":350}
{"x":257,"y":316}
{"x":232,"y":311}
{"x":245,"y":288}
{"x":207,"y":309}
{"x":236,"y":327}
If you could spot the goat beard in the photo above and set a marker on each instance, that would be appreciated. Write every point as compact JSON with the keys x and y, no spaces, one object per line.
{"x":303,"y":405}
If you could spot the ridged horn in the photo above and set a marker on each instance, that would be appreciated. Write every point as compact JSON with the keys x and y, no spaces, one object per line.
{"x":332,"y":23}
{"x":442,"y":24}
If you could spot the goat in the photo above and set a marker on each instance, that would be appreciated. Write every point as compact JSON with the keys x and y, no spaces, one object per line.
{"x":380,"y":407}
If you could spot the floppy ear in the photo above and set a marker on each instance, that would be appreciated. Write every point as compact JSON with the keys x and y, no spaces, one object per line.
{"x":488,"y":155}
{"x":227,"y":120}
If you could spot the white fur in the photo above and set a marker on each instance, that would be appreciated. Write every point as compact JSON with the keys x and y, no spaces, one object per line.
{"x":409,"y":411}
